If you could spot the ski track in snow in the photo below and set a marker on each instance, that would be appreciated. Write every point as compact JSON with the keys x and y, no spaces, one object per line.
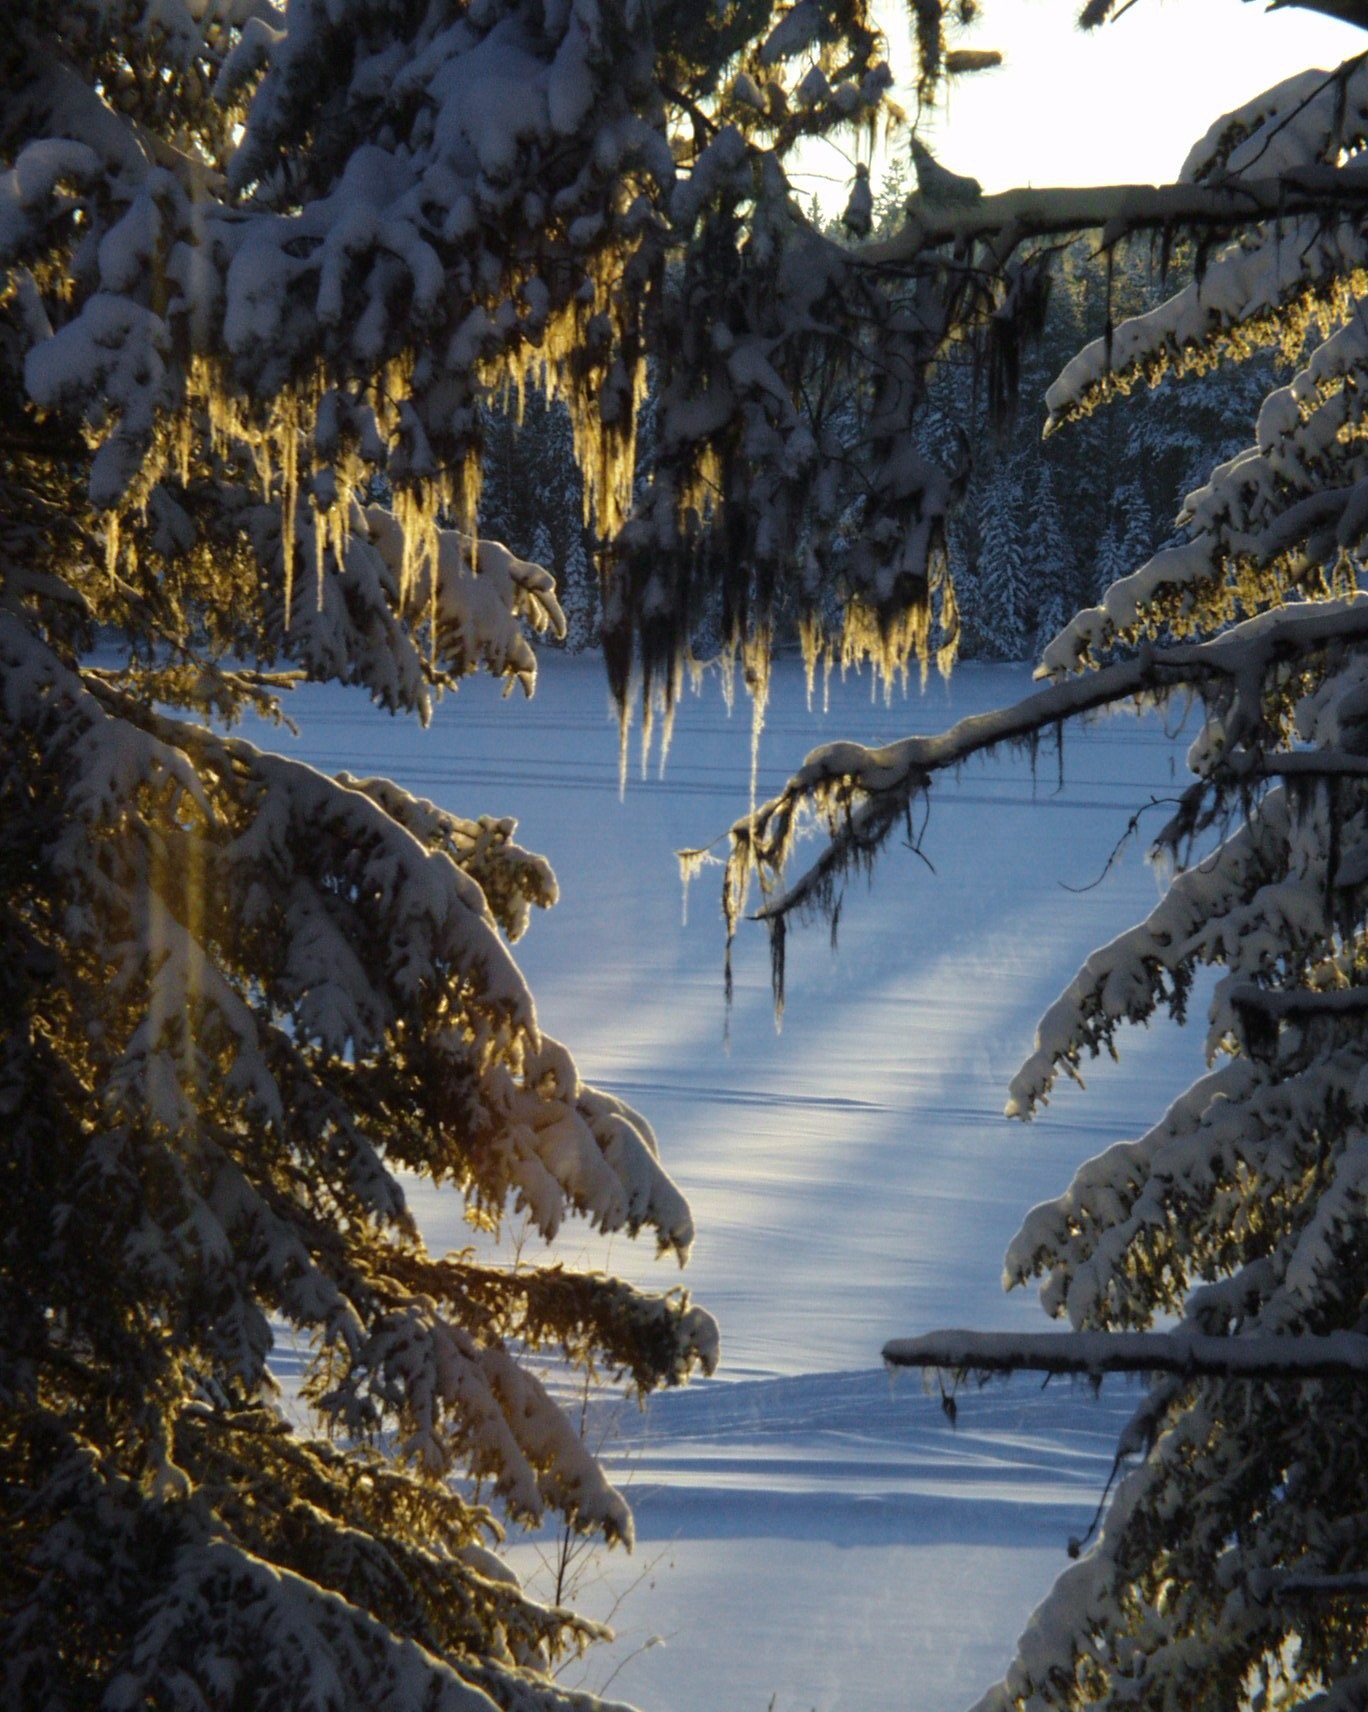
{"x":809,"y":1531}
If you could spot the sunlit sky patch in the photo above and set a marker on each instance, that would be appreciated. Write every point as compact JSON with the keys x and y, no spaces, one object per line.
{"x":1122,"y":104}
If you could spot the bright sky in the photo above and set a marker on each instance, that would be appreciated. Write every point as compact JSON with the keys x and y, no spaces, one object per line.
{"x":1122,"y":104}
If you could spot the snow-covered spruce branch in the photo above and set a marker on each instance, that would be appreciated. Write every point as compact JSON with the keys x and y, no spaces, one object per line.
{"x":1336,"y":1356}
{"x":1011,"y":217}
{"x":861,"y":794}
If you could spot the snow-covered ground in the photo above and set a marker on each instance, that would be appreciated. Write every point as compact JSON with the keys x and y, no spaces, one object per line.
{"x":811,"y":1535}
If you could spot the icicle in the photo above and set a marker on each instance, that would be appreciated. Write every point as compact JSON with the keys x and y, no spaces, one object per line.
{"x":756,"y":661}
{"x":727,"y":664}
{"x":320,"y":540}
{"x":434,"y":561}
{"x":691,"y":864}
{"x":810,"y":635}
{"x":948,"y":651}
{"x":112,"y":548}
{"x":287,"y":435}
{"x":647,"y":729}
{"x":624,"y":731}
{"x":671,"y":704}
{"x":185,"y":440}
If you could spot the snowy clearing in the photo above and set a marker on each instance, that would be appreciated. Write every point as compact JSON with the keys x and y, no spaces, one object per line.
{"x":828,"y":1539}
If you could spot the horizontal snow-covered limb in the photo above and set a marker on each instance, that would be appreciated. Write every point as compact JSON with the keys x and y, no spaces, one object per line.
{"x":584,"y":1152}
{"x":1097,"y":1624}
{"x":259,"y":36}
{"x":32,"y":191}
{"x":370,"y":869}
{"x":40,"y":693}
{"x":1238,"y":1487}
{"x":513,"y":880}
{"x":1304,"y":764}
{"x":850,"y":785}
{"x":344,"y":1581}
{"x":564,"y":1146}
{"x":1258,"y":900}
{"x":449,"y":1584}
{"x":629,"y":1148}
{"x":112,"y":859}
{"x":437,"y":927}
{"x":1316,"y":1265}
{"x":1258,"y":1356}
{"x":1229,"y":909}
{"x":1299,"y":1004}
{"x":1297,"y":208}
{"x":1260,"y":892}
{"x":1253,"y":1181}
{"x":1120,"y":1197}
{"x":478,"y":593}
{"x":1118,"y":210}
{"x":355,"y":870}
{"x":1294,"y":1585}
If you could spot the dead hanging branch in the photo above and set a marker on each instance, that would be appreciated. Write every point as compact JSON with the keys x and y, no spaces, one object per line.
{"x":860,"y":793}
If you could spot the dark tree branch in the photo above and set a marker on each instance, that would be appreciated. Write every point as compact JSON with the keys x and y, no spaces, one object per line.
{"x":1308,"y":1586}
{"x":1261,"y":1356}
{"x":1297,"y":1004}
{"x":1353,"y":12}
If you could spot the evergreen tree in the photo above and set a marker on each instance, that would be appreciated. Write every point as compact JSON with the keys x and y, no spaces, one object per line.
{"x":1134,"y":523}
{"x":531,"y":489}
{"x":1116,"y":483}
{"x":1051,"y":566}
{"x":1006,"y":604}
{"x":543,"y":553}
{"x":1110,"y":560}
{"x":579,"y":599}
{"x":1126,"y":540}
{"x":1232,"y":1565}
